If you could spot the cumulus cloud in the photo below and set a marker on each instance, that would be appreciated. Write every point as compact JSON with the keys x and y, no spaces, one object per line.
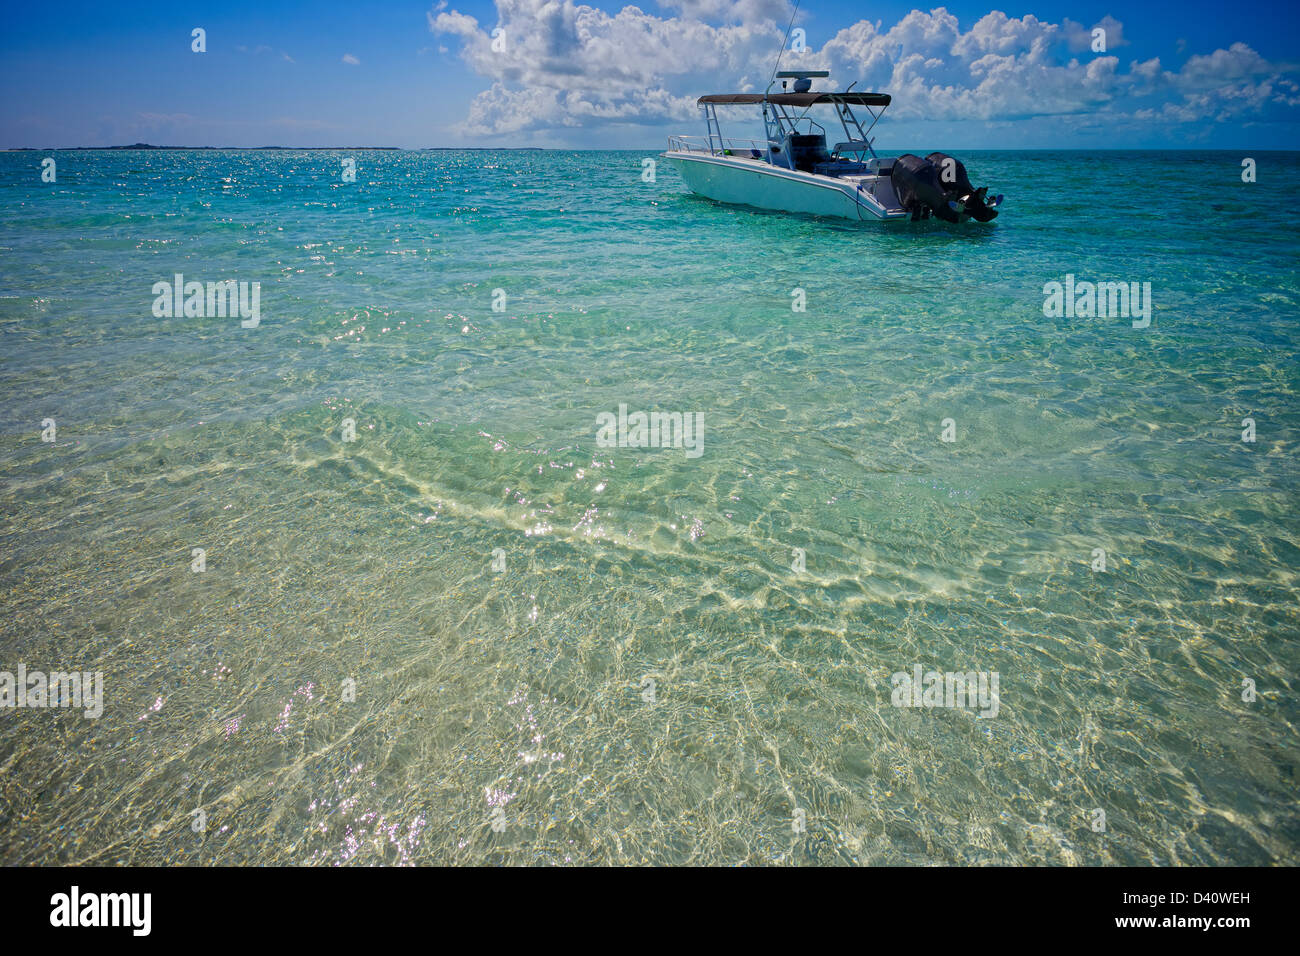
{"x":456,"y":24}
{"x":1080,"y":38}
{"x":351,"y":60}
{"x":730,"y":11}
{"x":1235,"y":63}
{"x":558,"y":64}
{"x":555,"y":64}
{"x":1001,"y":68}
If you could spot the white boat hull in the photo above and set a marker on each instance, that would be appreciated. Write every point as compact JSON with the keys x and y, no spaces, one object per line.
{"x":755,"y":183}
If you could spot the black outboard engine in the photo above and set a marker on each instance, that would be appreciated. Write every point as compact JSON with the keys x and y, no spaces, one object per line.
{"x":938,"y":185}
{"x":916,"y":182}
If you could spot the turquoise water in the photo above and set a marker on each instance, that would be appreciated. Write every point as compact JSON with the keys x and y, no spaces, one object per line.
{"x":648,"y":680}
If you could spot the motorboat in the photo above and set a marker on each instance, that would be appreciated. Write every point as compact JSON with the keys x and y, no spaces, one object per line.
{"x":793,"y":170}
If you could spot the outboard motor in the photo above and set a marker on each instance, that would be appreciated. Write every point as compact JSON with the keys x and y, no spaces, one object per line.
{"x":939,"y":185}
{"x":952,"y":173}
{"x":916,"y":181}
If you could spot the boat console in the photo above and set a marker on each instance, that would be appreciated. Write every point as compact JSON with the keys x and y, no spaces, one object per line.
{"x":806,"y":150}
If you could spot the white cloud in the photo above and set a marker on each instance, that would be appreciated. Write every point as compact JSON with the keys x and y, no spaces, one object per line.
{"x":561,"y":65}
{"x":351,"y":60}
{"x":457,"y":24}
{"x":1080,"y":38}
{"x":566,"y":64}
{"x":1237,"y":62}
{"x":731,"y":11}
{"x":999,"y":34}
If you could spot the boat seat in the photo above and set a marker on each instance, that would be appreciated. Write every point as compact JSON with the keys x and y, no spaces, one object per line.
{"x":807,"y":150}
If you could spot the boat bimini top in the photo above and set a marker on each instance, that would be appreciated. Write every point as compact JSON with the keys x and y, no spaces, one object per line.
{"x":797,"y":99}
{"x":797,"y":132}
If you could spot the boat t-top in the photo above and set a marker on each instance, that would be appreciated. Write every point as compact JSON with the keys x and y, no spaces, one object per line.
{"x":794,"y":171}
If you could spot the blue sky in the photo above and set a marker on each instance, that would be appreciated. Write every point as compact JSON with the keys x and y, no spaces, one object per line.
{"x":964,"y":75}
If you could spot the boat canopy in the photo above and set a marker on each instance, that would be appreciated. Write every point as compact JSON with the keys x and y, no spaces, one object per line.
{"x":796,"y":99}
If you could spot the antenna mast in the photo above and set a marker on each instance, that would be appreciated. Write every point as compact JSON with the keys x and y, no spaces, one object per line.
{"x":784,"y":40}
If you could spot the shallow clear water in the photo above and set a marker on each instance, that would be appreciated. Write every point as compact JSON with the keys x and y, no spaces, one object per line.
{"x":527,"y":690}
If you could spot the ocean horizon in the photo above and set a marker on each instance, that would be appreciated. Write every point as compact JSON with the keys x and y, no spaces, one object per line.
{"x":882,"y":148}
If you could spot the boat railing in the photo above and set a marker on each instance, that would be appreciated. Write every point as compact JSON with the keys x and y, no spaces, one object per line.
{"x":701,"y":144}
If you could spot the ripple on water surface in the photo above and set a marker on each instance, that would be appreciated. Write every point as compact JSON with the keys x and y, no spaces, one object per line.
{"x":649,"y":679}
